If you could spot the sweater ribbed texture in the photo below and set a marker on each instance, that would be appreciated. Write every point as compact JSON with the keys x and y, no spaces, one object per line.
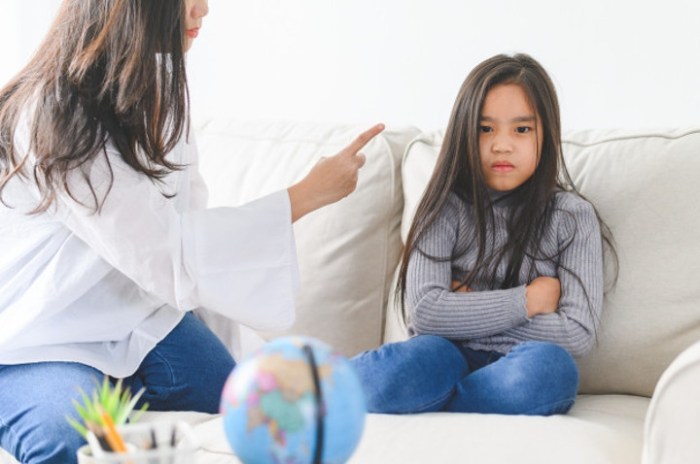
{"x":496,"y":320}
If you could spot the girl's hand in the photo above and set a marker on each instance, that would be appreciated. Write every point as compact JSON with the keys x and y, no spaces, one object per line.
{"x":458,"y":287}
{"x":332,"y":178}
{"x":542,"y":296}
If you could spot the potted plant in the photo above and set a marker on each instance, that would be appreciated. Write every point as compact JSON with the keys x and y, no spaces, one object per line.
{"x":109,"y":406}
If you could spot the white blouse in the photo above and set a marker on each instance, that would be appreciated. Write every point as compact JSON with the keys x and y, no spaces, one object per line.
{"x":103,"y":289}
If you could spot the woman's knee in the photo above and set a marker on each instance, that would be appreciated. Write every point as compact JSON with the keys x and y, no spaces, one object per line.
{"x":33,"y":418}
{"x":186,"y":371}
{"x":52,"y":441}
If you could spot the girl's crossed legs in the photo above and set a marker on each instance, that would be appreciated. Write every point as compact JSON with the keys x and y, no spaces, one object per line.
{"x":430,"y":373}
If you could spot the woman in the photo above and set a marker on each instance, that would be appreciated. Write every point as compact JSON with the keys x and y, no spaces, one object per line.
{"x":106,"y":246}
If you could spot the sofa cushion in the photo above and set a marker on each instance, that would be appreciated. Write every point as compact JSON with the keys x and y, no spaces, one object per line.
{"x":347,"y":250}
{"x":601,"y":429}
{"x":645,"y":187}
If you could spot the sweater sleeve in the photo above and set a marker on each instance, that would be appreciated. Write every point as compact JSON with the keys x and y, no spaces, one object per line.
{"x":580,"y":272}
{"x":435,"y":309}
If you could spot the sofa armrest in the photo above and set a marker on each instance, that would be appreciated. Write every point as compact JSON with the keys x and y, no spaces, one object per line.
{"x":673,"y":420}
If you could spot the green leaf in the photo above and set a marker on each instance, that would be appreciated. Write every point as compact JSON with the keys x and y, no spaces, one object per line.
{"x":77,"y":426}
{"x":139,"y":413}
{"x":129,"y":406}
{"x":115,"y":400}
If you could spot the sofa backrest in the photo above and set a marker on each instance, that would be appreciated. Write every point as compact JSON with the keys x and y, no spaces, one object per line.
{"x":646,"y":187}
{"x":346,"y":251}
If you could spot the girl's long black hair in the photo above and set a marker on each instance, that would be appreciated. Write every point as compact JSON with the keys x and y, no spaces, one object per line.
{"x":107,"y":70}
{"x":458,"y":170}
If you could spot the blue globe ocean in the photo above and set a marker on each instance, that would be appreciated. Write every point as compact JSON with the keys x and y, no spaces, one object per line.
{"x":295,"y":401}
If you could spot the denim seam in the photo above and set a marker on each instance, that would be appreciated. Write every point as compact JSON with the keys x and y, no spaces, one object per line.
{"x":13,"y":436}
{"x":551,"y":406}
{"x":169,"y":366}
{"x":441,"y":399}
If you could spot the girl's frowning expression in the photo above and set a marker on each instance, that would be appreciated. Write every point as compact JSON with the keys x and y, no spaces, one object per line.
{"x":510,"y":138}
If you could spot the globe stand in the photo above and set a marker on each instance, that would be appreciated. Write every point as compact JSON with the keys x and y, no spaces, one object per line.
{"x":320,"y":413}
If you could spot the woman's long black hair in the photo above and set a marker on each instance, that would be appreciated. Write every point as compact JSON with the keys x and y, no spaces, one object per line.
{"x":107,"y":70}
{"x":458,"y":170}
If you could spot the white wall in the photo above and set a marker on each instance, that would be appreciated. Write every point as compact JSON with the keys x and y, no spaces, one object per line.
{"x":616,"y":63}
{"x":24,"y":25}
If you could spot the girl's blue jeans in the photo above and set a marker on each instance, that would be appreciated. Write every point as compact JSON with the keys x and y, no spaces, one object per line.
{"x":429,"y":373}
{"x":186,"y":371}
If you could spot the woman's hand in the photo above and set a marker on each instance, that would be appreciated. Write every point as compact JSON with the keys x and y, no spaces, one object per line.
{"x":542,"y":296}
{"x":332,"y":178}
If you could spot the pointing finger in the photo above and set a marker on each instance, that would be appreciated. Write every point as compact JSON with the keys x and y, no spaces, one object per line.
{"x":364,"y":138}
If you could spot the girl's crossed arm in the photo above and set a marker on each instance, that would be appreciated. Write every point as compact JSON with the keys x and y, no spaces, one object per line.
{"x":438,"y":310}
{"x":527,"y":312}
{"x":580,"y":272}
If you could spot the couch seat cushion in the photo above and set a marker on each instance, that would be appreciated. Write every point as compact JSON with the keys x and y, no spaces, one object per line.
{"x":599,"y":429}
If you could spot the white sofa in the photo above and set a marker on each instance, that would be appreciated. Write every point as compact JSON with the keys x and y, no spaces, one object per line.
{"x":646,"y":187}
{"x":639,"y":398}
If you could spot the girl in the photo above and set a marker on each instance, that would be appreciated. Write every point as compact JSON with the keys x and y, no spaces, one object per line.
{"x":105,"y":245}
{"x":502,"y":273}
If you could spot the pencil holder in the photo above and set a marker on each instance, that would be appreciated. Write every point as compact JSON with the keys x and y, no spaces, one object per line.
{"x":152,"y":443}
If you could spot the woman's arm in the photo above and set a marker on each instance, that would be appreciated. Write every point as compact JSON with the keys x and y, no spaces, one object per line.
{"x":332,"y":178}
{"x":222,"y":259}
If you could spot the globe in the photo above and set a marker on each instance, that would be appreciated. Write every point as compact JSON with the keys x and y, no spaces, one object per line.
{"x":294,"y":401}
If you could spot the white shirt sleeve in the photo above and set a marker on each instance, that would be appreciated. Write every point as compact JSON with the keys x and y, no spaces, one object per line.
{"x":198,"y":192}
{"x":238,"y":262}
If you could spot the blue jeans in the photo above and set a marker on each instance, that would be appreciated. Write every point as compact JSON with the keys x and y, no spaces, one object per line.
{"x":430,"y":373}
{"x":186,"y":371}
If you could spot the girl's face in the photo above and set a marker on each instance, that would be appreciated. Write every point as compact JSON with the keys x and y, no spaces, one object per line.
{"x":195,"y":10}
{"x":510,"y":138}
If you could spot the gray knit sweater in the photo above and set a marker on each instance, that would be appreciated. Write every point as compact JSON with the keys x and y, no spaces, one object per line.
{"x":485,"y":319}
